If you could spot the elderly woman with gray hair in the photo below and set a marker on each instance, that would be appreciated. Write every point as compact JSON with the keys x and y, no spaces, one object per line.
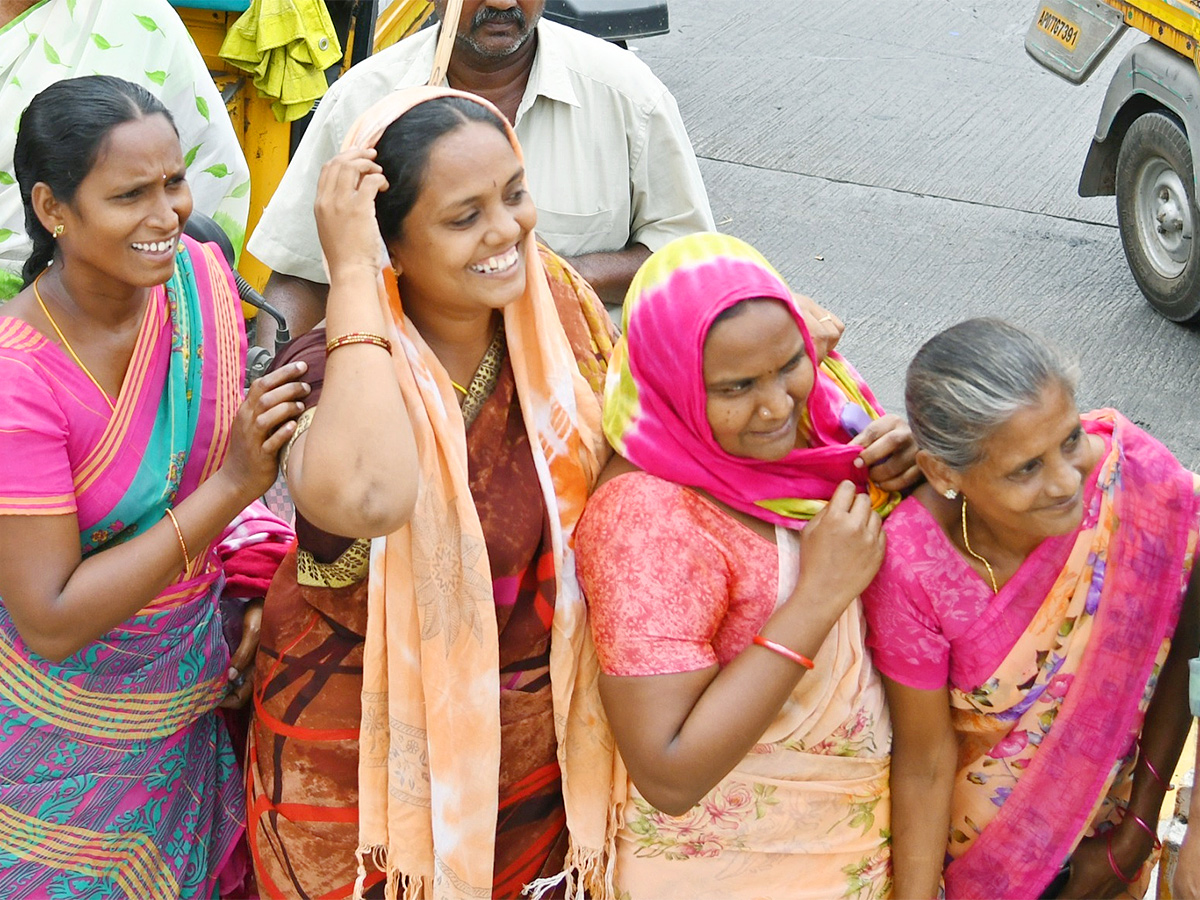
{"x":1033,"y":619}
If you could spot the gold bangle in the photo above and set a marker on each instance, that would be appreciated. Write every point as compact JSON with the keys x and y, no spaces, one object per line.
{"x":187,"y":560}
{"x":358,"y":337}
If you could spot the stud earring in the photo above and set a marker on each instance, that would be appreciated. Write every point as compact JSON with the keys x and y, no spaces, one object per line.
{"x":59,"y":229}
{"x":950,"y":493}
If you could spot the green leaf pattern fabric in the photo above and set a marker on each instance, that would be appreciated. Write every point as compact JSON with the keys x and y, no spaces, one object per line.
{"x":140,"y":40}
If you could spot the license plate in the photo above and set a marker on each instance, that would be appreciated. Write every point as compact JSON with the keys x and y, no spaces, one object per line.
{"x":1062,"y":30}
{"x":1070,"y":37}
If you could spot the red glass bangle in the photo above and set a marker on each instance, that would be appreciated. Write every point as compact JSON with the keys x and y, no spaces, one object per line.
{"x":786,"y":652}
{"x":1112,"y":863}
{"x":1166,"y":786}
{"x":1146,"y":828}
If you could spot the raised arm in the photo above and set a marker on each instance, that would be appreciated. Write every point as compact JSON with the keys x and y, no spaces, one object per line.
{"x":924,"y":760}
{"x":680,"y":734}
{"x":354,"y":471}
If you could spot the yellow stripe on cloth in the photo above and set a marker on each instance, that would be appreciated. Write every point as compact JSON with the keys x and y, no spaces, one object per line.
{"x":130,"y":859}
{"x":128,"y":716}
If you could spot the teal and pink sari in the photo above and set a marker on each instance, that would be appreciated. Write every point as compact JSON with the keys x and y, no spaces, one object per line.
{"x":117,"y":778}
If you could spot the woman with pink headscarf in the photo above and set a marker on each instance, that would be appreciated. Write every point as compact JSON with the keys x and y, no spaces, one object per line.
{"x":722,"y":557}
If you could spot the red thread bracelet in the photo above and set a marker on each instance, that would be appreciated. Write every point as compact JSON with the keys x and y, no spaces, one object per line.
{"x":1112,"y":863}
{"x":786,"y":652}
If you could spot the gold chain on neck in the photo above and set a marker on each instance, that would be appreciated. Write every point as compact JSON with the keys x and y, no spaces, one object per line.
{"x":67,"y":344}
{"x":967,"y":544}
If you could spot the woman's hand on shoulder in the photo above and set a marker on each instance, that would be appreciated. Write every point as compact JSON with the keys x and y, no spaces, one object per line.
{"x":889,"y":453}
{"x":841,"y":549}
{"x":345,"y":211}
{"x":826,"y":328}
{"x":264,"y":423}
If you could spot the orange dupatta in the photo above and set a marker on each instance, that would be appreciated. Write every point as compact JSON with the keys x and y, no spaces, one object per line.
{"x":430,"y":738}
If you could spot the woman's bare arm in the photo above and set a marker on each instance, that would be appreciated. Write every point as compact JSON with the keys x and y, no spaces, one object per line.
{"x":1163,"y":735}
{"x":680,"y":734}
{"x":60,"y":602}
{"x":354,"y":471}
{"x":924,"y":760}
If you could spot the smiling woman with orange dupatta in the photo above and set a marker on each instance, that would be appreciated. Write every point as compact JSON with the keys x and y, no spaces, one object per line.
{"x":479,"y":763}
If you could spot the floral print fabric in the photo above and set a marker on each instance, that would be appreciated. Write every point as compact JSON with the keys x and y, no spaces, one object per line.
{"x":1047,"y":720}
{"x":675,"y":584}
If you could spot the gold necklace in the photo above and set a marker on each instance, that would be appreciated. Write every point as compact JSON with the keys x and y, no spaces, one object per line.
{"x":967,"y":544}
{"x":485,"y":378}
{"x":67,"y":344}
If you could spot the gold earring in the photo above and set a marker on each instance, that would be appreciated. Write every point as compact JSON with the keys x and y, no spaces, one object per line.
{"x":59,"y":229}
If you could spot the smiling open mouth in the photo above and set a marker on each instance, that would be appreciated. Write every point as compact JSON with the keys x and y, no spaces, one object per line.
{"x":499,"y":263}
{"x":155,"y":246}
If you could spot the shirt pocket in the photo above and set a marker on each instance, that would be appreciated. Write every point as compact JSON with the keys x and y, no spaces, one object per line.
{"x":574,"y":234}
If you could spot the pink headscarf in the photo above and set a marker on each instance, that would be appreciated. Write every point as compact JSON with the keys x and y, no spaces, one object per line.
{"x":655,"y":399}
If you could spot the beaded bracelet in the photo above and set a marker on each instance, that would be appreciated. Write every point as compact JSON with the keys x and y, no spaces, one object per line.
{"x":187,"y":559}
{"x":787,"y":652}
{"x":1112,"y":863}
{"x":358,"y":337}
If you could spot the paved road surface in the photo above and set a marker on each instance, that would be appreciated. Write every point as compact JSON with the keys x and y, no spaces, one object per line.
{"x":909,"y":166}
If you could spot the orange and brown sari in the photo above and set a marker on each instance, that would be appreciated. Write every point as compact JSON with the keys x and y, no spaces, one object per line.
{"x":304,"y":751}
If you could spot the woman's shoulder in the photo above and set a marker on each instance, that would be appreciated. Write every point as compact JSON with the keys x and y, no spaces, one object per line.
{"x":588,"y":327}
{"x":24,"y":352}
{"x":630,"y":491}
{"x":910,"y":518}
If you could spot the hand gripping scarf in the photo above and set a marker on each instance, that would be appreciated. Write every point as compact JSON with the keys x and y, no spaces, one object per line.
{"x":654,"y":398}
{"x":430,"y":738}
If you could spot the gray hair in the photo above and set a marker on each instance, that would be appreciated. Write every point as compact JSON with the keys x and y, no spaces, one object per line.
{"x":973,"y":377}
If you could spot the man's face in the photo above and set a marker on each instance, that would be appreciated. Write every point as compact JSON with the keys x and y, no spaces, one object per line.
{"x":494,"y":29}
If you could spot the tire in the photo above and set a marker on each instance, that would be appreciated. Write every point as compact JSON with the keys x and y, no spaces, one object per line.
{"x":1157,"y":215}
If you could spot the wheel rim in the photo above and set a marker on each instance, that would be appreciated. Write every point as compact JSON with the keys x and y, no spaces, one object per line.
{"x":1164,"y":217}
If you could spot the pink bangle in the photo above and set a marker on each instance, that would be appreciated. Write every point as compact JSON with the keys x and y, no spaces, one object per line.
{"x":786,"y":652}
{"x":1112,"y":863}
{"x":1153,"y":771}
{"x":1146,"y":828}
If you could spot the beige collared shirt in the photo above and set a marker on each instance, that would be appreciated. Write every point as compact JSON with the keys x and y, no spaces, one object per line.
{"x":608,"y":160}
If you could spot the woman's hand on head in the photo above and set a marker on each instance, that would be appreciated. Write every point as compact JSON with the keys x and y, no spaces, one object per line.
{"x":345,"y":211}
{"x":841,"y":549}
{"x":889,"y":453}
{"x":264,"y":423}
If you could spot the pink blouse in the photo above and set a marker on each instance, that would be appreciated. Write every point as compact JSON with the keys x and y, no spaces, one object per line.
{"x":932,"y":620}
{"x":673,"y":583}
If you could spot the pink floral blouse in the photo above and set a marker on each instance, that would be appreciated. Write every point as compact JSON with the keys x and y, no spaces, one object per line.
{"x":673,"y":583}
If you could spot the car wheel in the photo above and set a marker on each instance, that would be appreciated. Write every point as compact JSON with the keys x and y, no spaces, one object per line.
{"x":1156,"y":212}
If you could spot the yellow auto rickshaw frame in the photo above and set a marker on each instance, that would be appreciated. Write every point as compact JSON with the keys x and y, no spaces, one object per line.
{"x":266,"y":141}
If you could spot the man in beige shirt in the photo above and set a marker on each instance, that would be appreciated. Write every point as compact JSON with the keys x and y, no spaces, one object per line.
{"x":608,"y":161}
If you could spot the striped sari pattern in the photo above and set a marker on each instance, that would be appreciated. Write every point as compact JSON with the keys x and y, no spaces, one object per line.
{"x":117,"y":778}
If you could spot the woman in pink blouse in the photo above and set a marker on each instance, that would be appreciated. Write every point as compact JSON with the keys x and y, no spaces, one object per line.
{"x":1027,"y":622}
{"x":745,"y":709}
